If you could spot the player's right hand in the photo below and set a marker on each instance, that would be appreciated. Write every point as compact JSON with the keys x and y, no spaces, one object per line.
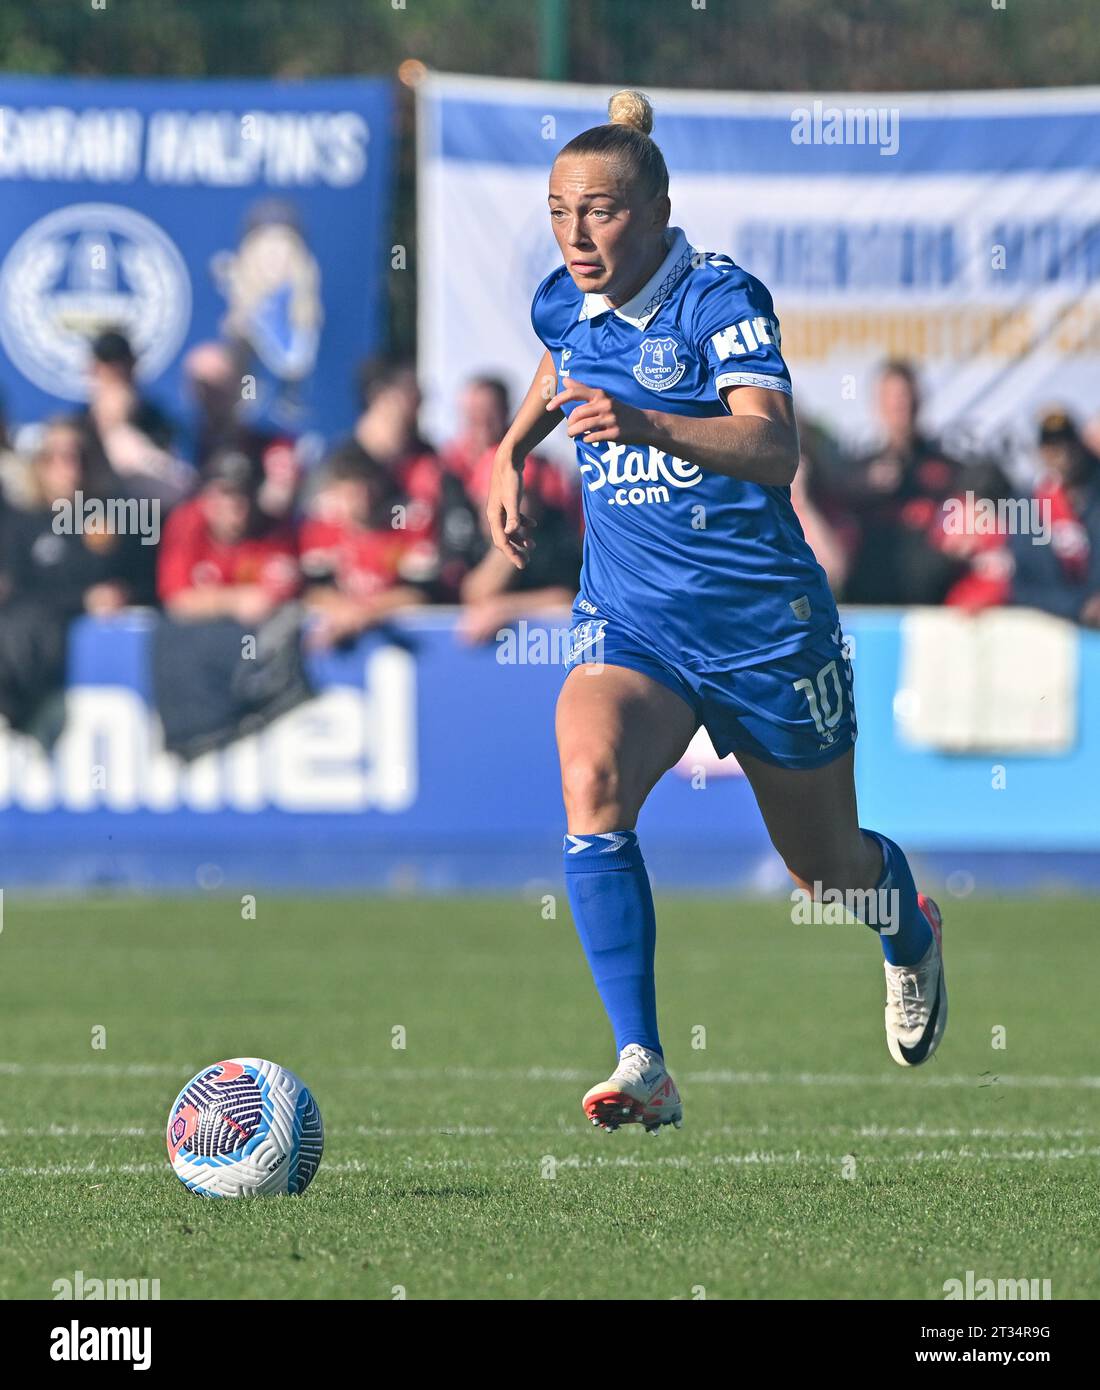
{"x":508,"y":526}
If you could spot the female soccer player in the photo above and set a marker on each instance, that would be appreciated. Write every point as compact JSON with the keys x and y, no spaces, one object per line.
{"x":700,"y":598}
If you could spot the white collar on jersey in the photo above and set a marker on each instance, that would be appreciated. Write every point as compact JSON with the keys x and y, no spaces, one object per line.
{"x":640,"y":308}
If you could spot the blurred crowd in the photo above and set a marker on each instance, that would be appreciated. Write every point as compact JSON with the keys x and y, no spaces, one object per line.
{"x":245,"y":526}
{"x":389,"y":521}
{"x":909,"y":522}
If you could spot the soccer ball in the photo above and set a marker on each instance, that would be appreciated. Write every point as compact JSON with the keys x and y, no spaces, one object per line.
{"x":245,"y":1128}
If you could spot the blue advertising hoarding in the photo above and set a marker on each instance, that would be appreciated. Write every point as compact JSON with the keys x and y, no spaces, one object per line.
{"x":426,"y":763}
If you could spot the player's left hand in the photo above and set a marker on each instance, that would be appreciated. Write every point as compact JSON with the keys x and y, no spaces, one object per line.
{"x":599,"y":416}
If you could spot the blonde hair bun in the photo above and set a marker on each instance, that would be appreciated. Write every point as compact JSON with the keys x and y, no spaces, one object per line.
{"x":631,"y":108}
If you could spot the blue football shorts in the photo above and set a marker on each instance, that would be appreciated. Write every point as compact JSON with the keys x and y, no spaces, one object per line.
{"x":794,"y":711}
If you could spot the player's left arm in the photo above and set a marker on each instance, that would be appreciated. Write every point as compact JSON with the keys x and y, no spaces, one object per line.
{"x":757,"y":441}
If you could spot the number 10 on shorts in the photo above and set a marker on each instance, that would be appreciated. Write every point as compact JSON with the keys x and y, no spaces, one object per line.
{"x":826,"y":704}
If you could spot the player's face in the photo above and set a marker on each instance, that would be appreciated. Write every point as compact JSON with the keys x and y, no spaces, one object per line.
{"x":609,"y":236}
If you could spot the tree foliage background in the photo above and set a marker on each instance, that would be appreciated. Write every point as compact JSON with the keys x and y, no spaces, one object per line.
{"x":795,"y":45}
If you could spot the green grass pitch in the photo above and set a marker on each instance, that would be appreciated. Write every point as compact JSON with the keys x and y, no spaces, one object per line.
{"x":460,"y":1165}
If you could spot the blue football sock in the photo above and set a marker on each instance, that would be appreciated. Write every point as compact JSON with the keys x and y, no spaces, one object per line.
{"x":913,"y":936}
{"x":612,"y":906}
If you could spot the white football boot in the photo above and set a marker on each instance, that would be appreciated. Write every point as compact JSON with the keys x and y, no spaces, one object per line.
{"x":638,"y":1091}
{"x":916,"y":998}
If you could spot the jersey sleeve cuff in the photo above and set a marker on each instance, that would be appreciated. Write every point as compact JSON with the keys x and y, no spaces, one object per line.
{"x":764,"y":382}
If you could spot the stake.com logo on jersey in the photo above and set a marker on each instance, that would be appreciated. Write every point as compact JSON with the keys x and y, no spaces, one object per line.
{"x":635,"y":475}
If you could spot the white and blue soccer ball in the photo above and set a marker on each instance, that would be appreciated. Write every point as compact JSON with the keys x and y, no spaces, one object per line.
{"x":245,"y":1128}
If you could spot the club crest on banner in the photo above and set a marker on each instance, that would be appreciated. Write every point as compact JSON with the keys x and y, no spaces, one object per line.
{"x":83,"y":269}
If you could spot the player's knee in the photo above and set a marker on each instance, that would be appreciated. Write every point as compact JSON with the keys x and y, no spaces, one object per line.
{"x":592,"y":790}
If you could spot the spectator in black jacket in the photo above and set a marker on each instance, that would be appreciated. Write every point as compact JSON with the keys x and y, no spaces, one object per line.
{"x":896,"y":493}
{"x":128,"y":438}
{"x":214,"y":373}
{"x":65,"y":557}
{"x":58,"y":559}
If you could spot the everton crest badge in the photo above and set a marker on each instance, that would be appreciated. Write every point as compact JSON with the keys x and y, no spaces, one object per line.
{"x":657,"y":368}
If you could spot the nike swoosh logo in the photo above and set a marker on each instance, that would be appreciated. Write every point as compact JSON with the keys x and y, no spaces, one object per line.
{"x":915,"y":1055}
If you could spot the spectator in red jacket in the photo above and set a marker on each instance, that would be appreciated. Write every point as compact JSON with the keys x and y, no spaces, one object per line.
{"x":220,"y":556}
{"x":388,"y":433}
{"x":361,"y":560}
{"x":1063,"y":576}
{"x":979,"y":549}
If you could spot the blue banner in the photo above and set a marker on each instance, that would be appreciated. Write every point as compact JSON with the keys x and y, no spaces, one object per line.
{"x":960,"y":231}
{"x":253,"y":212}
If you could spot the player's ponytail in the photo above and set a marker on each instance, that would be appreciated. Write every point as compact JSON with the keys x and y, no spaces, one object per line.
{"x":625,"y":141}
{"x":631,"y":108}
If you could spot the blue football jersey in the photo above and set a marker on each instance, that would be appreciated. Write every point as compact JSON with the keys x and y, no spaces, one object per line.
{"x":713,"y":572}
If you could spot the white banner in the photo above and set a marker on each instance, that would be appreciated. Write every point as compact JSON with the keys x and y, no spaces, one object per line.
{"x":960,"y":232}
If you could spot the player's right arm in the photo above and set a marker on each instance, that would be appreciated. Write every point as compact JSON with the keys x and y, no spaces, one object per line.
{"x":508,"y":526}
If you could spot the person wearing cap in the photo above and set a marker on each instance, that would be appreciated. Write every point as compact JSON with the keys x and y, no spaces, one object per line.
{"x":1062,"y":576}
